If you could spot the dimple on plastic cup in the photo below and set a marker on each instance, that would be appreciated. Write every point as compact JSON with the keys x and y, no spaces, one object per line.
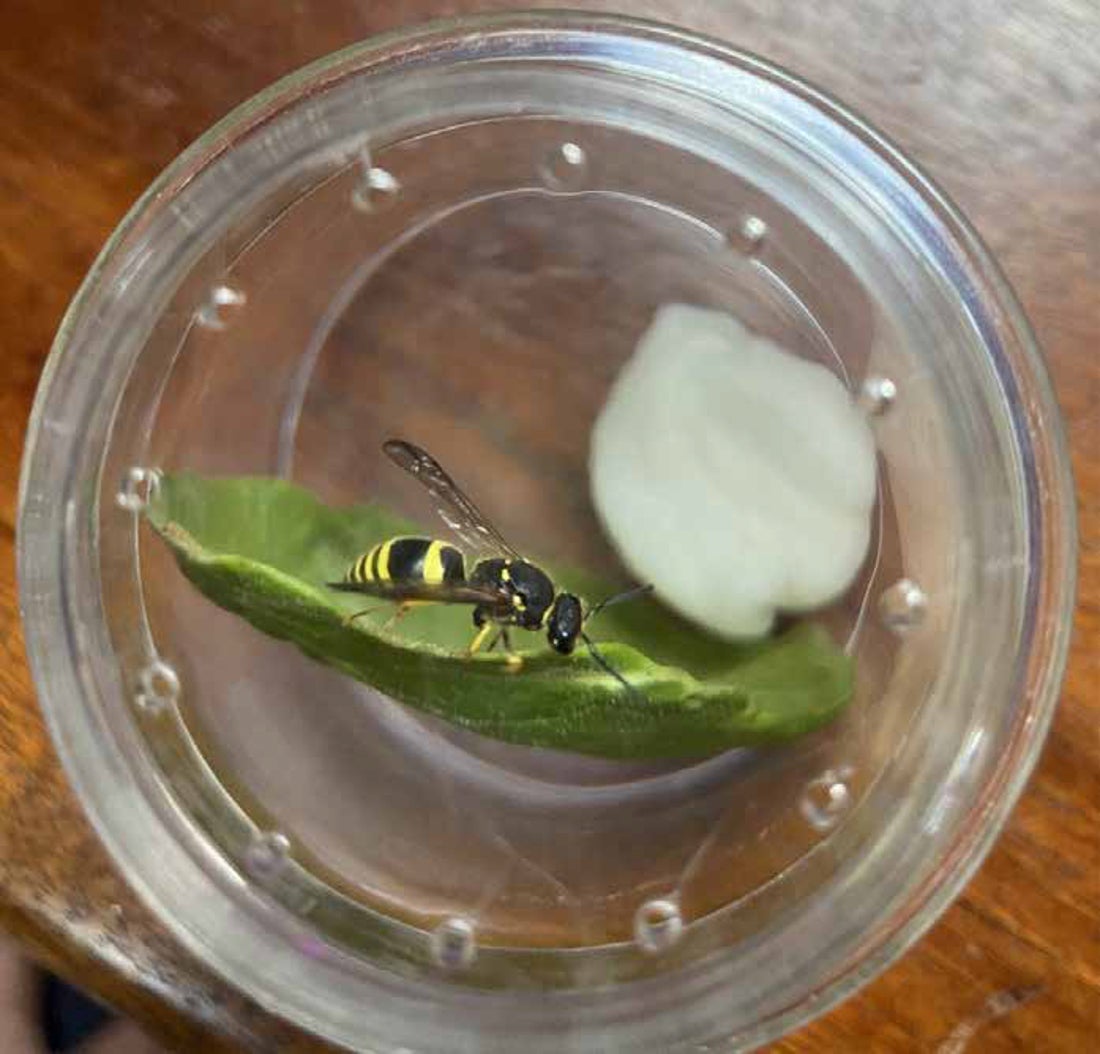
{"x":457,"y":234}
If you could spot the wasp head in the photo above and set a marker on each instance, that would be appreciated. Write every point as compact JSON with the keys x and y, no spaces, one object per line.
{"x":564,"y":623}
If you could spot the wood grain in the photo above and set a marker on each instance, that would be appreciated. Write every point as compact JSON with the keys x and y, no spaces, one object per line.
{"x":998,"y":101}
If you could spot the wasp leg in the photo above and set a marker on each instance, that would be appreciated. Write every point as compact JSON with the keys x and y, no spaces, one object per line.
{"x":479,"y":639}
{"x":515,"y":662}
{"x":398,"y":615}
{"x":349,"y":619}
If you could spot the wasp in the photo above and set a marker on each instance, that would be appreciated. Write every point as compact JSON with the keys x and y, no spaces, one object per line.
{"x":504,"y":589}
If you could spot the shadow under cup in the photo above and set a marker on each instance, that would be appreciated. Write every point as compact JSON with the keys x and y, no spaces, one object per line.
{"x":458,"y":236}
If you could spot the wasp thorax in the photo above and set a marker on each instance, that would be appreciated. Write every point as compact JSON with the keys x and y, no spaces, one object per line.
{"x":531,"y":590}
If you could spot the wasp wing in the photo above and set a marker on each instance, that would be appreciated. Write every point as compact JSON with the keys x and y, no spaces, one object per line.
{"x":456,"y":509}
{"x":438,"y":592}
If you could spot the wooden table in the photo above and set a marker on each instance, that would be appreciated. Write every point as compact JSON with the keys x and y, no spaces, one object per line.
{"x":999,"y":101}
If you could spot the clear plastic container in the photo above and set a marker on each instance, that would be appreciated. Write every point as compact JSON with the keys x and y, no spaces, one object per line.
{"x":457,"y":235}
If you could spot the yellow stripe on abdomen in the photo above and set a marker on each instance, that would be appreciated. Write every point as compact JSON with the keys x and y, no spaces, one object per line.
{"x":433,"y":563}
{"x":360,"y":571}
{"x":382,"y":561}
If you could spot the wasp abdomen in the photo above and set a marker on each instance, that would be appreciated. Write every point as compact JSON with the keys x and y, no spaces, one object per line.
{"x":409,"y":560}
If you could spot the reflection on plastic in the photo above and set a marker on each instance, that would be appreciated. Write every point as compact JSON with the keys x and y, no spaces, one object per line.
{"x":267,"y":855}
{"x":658,"y":925}
{"x":158,"y":687}
{"x":827,"y":798}
{"x":137,"y":488}
{"x":566,"y":168}
{"x":211,"y":314}
{"x":453,"y":944}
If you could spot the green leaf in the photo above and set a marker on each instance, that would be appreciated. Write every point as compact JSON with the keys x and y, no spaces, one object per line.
{"x":264,"y":549}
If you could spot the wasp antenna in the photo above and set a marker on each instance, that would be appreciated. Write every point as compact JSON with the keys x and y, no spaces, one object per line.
{"x":619,"y":598}
{"x":607,"y":667}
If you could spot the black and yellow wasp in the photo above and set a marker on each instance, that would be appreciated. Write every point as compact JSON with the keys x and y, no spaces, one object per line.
{"x":504,"y":589}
